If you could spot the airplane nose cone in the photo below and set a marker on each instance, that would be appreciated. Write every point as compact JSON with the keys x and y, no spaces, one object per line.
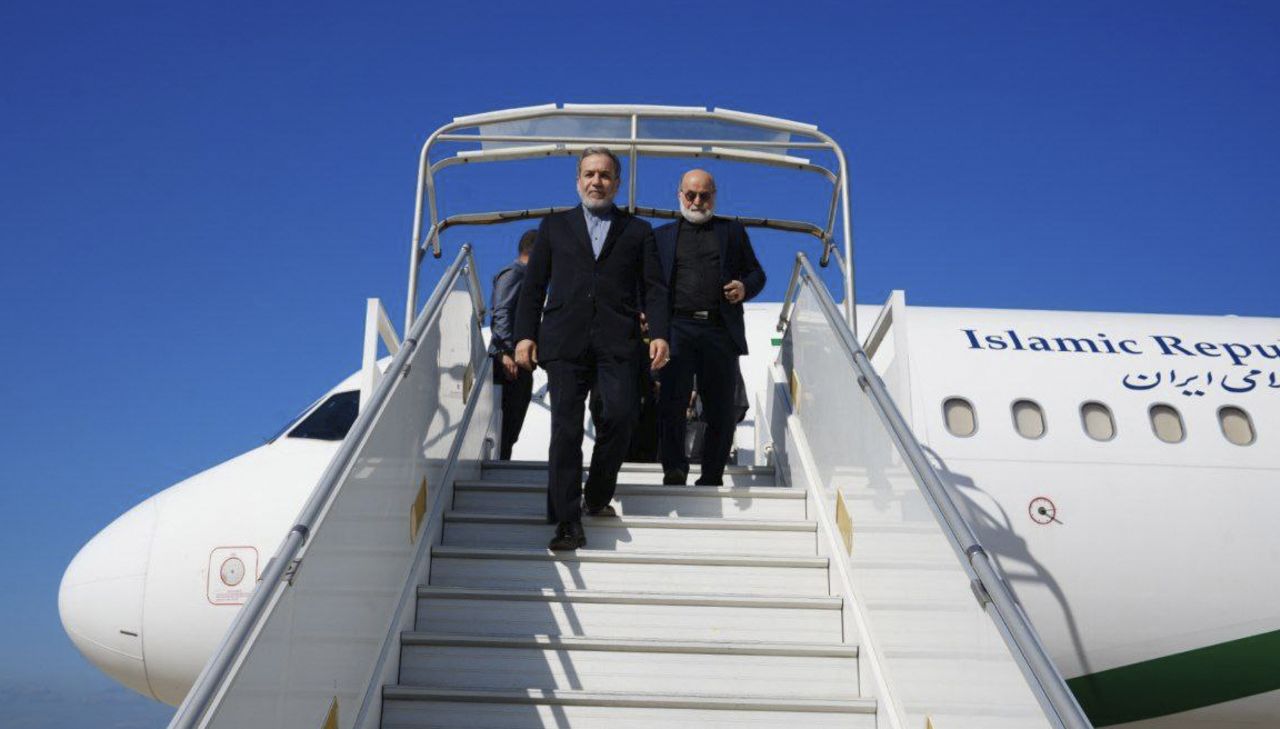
{"x":100,"y":599}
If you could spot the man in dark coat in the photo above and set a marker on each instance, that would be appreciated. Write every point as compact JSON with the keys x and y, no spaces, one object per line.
{"x":710,"y":269}
{"x":517,"y":383}
{"x":592,"y":271}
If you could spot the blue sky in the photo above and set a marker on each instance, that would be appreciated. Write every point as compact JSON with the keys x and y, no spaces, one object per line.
{"x":195,"y":202}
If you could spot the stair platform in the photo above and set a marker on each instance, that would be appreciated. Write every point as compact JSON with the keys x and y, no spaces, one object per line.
{"x":631,"y":473}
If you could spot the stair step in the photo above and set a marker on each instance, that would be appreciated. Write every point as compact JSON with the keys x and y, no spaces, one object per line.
{"x":507,"y":663}
{"x":420,"y":708}
{"x":588,"y":569}
{"x":636,"y":473}
{"x":757,"y":502}
{"x":628,"y":614}
{"x":637,"y":533}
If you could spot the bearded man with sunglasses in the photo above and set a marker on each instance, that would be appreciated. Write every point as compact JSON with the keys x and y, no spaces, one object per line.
{"x":710,"y":269}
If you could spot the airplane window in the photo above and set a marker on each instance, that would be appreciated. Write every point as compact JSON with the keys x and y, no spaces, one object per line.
{"x":1097,"y":420}
{"x":332,"y":419}
{"x":1028,"y":418}
{"x":1236,"y":425}
{"x":1167,"y":423}
{"x":960,"y":418}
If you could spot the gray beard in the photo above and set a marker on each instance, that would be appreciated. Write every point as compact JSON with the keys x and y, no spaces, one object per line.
{"x":596,"y":207}
{"x":695,"y":217}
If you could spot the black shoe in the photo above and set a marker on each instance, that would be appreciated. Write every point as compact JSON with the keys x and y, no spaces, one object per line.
{"x":674,"y":477}
{"x":569,"y":536}
{"x":607,"y":511}
{"x":704,"y":481}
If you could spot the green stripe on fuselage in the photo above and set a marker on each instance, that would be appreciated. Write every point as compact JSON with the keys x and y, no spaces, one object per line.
{"x":1182,"y":681}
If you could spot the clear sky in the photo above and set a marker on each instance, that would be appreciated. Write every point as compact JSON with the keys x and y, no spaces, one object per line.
{"x":196,"y":200}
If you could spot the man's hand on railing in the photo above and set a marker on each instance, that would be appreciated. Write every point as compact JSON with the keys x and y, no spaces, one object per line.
{"x":527,"y":354}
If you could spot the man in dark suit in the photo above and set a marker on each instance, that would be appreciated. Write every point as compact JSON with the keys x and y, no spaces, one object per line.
{"x":710,"y":268}
{"x":592,"y":271}
{"x":517,"y":384}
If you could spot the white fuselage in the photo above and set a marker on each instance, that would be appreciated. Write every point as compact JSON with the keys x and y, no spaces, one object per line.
{"x":1150,"y":549}
{"x":1147,"y":548}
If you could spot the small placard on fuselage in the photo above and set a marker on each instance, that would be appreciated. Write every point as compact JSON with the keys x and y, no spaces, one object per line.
{"x":232,"y":575}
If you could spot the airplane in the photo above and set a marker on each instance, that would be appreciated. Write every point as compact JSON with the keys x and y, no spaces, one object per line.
{"x":1119,"y":469}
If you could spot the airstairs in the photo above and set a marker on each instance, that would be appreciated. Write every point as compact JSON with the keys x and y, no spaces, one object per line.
{"x":831,"y":582}
{"x":697,"y":606}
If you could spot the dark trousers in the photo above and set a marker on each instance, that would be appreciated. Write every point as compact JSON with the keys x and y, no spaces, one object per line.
{"x":569,"y":382}
{"x":643,"y":447}
{"x":701,"y":349}
{"x":515,"y":403}
{"x":644,"y":439}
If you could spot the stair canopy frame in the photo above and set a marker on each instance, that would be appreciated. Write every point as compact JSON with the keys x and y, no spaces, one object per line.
{"x":526,"y":143}
{"x":215,"y":681}
{"x":989,"y":588}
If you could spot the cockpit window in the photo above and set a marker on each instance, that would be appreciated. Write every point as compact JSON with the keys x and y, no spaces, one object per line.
{"x":292,"y":422}
{"x":332,"y":419}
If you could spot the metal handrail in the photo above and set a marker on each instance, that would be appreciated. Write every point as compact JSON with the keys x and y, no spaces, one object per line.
{"x":278,"y":574}
{"x":427,"y":214}
{"x":373,"y":692}
{"x":507,"y":216}
{"x":990,"y":588}
{"x":685,"y":150}
{"x":629,"y":142}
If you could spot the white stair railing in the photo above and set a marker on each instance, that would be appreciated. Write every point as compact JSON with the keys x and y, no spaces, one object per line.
{"x":304,"y":648}
{"x":871,"y":454}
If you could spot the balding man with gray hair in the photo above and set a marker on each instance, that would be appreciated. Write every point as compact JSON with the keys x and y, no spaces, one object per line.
{"x":592,"y":271}
{"x":710,"y":268}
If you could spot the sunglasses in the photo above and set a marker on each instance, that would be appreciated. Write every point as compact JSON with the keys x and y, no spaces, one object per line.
{"x":691,"y":196}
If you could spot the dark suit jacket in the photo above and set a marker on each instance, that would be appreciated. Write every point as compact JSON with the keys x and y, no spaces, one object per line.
{"x":506,"y":294}
{"x":737,"y":263}
{"x":571,"y":301}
